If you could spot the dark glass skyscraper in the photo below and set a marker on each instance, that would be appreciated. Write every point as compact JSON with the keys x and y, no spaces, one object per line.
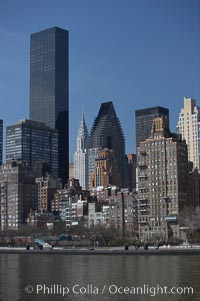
{"x":144,"y":120}
{"x":107,"y":133}
{"x":1,"y":141}
{"x":33,"y":142}
{"x":49,"y":87}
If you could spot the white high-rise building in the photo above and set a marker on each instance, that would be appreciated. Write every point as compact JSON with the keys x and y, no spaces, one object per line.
{"x":81,"y":155}
{"x":188,"y":126}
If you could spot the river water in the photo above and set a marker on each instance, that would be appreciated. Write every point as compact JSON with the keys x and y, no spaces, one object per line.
{"x":76,"y":277}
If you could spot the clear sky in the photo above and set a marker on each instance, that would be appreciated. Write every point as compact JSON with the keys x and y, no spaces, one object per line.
{"x":137,"y":53}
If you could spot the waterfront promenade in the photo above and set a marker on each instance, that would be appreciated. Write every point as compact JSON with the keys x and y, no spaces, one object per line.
{"x":174,"y":250}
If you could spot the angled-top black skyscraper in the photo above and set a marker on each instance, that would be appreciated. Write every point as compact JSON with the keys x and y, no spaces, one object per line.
{"x":107,"y":133}
{"x":49,"y":87}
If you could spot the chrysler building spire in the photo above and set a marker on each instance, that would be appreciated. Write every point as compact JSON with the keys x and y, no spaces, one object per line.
{"x":81,"y":155}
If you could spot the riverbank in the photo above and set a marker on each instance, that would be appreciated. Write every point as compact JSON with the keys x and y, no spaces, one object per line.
{"x":104,"y":251}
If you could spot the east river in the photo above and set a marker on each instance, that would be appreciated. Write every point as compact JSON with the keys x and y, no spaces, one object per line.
{"x":81,"y":277}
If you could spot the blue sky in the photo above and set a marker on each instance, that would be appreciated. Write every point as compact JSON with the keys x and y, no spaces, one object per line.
{"x":137,"y":53}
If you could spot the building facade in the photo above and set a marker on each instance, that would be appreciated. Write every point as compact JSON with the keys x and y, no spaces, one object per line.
{"x":194,"y":189}
{"x":1,"y":141}
{"x":71,"y":170}
{"x":144,"y":119}
{"x":105,"y":170}
{"x":123,"y":212}
{"x":119,"y":212}
{"x":34,"y":143}
{"x":162,"y":164}
{"x":69,"y":206}
{"x":106,"y":133}
{"x":132,"y":164}
{"x":49,"y":88}
{"x":81,"y":156}
{"x":93,"y":154}
{"x":189,"y":127}
{"x":95,"y":217}
{"x":46,"y":187}
{"x":18,"y":194}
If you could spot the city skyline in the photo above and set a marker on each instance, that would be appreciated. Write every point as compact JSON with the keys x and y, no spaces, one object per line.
{"x":135,"y":63}
{"x":100,"y":114}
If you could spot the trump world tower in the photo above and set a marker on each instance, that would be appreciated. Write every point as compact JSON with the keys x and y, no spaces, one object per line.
{"x":49,"y":87}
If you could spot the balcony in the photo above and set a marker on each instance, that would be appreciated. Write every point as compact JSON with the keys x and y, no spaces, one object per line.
{"x":142,"y":189}
{"x":144,"y":200}
{"x":142,"y":176}
{"x":142,"y":164}
{"x":143,"y":223}
{"x":143,"y":152}
{"x":142,"y":205}
{"x":143,"y":211}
